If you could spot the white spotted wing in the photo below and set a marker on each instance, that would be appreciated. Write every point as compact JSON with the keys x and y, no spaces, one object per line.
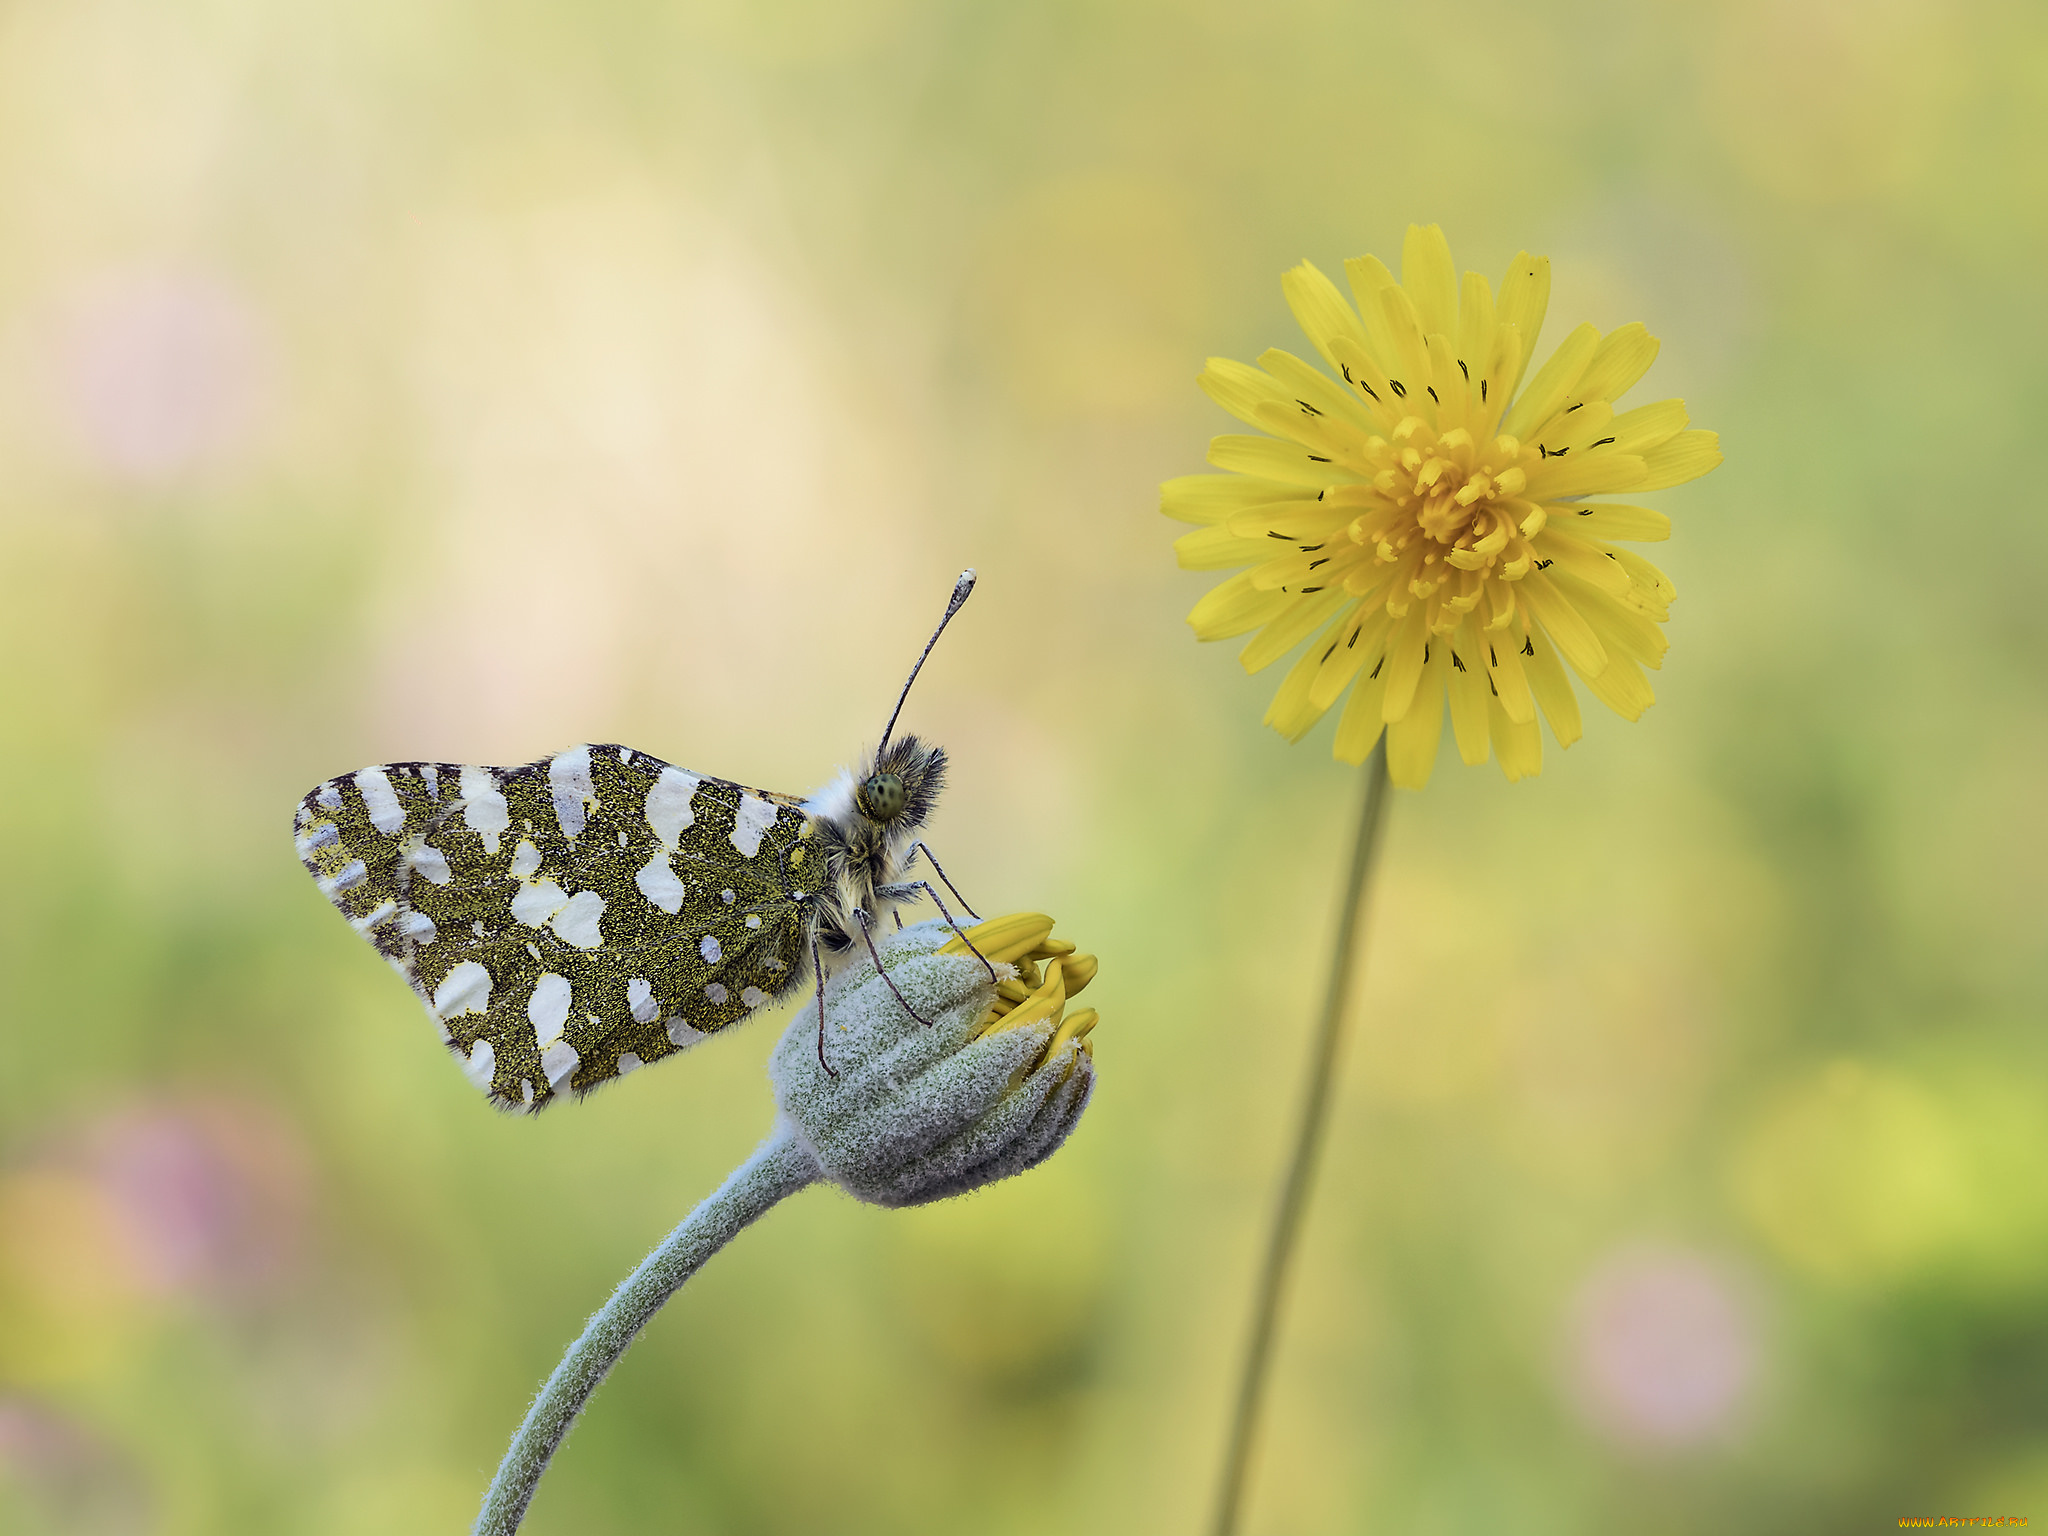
{"x":570,"y":920}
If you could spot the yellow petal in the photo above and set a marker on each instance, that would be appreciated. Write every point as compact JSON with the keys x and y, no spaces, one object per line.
{"x":1553,"y":689}
{"x":1310,"y":387}
{"x":1576,"y":428}
{"x":1647,"y":577}
{"x":1291,"y":522}
{"x":1518,"y":744}
{"x":1211,"y":498}
{"x":1409,"y":376}
{"x":1239,"y":388}
{"x":1624,"y":356}
{"x":1475,"y":325}
{"x":1594,"y":474}
{"x":1003,"y":940}
{"x":1621,"y":628}
{"x":1586,"y":561}
{"x":1072,"y":1027}
{"x":1337,"y":440}
{"x":1510,"y":681}
{"x":1430,"y":277}
{"x":1563,"y":623}
{"x":1686,"y":457}
{"x":1356,"y":641}
{"x":1450,"y":389}
{"x":1524,"y":296}
{"x":1360,"y":725}
{"x":1215,"y":549}
{"x":1405,"y":660}
{"x":1553,"y":385}
{"x":1364,"y":373}
{"x":1412,"y":739}
{"x":1640,"y":430}
{"x":1077,"y":971}
{"x":1495,"y":379}
{"x":1613,"y":521}
{"x":1293,"y":624}
{"x":1367,"y":276}
{"x":1622,"y":687}
{"x":1275,"y":460}
{"x":1465,"y":683}
{"x":1319,"y":308}
{"x":1292,"y":712}
{"x":1045,"y":1003}
{"x":1303,"y":570}
{"x":1235,"y":607}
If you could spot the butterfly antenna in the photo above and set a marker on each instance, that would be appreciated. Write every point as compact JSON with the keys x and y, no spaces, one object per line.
{"x":961,"y":588}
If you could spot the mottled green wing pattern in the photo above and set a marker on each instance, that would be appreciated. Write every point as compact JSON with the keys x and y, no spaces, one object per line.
{"x":570,"y":920}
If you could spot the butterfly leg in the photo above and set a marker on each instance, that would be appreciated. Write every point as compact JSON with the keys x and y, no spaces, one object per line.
{"x":904,"y":890}
{"x":965,"y":905}
{"x":818,"y":971}
{"x":867,"y":934}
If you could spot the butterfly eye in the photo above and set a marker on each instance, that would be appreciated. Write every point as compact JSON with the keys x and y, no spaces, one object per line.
{"x":880,"y":797}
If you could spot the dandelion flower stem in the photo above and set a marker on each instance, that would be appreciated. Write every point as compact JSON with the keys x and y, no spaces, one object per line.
{"x":779,"y":1167}
{"x":1301,"y":1167}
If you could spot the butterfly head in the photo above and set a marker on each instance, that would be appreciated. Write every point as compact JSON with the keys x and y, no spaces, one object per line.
{"x":901,"y":786}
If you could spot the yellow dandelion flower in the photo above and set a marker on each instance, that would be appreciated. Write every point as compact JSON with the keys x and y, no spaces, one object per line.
{"x":1425,"y":527}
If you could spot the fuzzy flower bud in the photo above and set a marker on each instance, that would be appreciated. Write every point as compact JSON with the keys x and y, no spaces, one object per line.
{"x":990,"y":1086}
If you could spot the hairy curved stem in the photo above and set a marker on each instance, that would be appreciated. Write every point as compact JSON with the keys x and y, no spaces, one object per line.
{"x":1308,"y":1140}
{"x":779,"y":1168}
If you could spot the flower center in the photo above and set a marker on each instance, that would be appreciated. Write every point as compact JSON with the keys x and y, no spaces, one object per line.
{"x":1443,"y":516}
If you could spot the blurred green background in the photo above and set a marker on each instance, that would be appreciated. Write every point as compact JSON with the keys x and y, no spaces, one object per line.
{"x":389,"y":381}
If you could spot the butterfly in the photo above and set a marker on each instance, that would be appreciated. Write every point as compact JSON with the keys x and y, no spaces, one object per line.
{"x":567,"y":921}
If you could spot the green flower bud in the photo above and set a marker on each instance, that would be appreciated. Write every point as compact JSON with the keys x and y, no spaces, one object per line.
{"x":912,"y":1111}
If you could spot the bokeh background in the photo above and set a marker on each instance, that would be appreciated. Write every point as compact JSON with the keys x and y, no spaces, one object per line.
{"x":390,"y":381}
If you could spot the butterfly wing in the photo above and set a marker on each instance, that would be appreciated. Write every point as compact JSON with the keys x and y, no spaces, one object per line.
{"x":572,"y":919}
